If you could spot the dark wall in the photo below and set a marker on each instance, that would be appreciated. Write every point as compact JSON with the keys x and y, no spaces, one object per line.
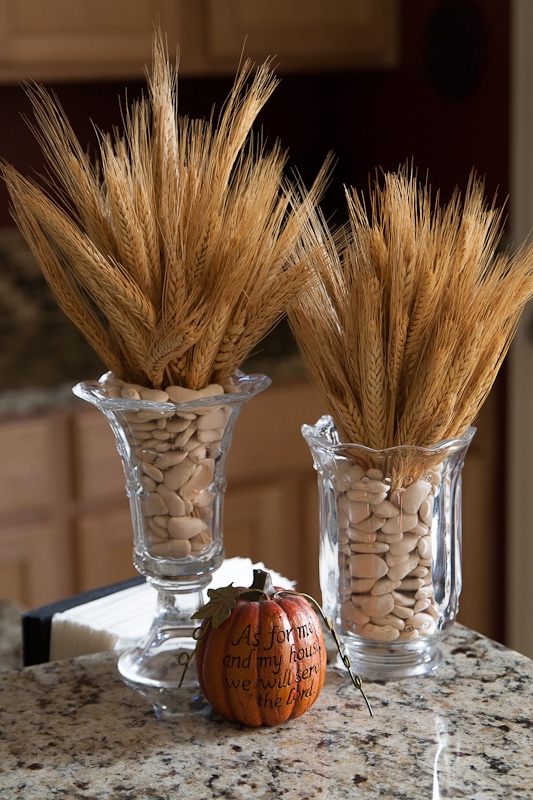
{"x":445,"y":106}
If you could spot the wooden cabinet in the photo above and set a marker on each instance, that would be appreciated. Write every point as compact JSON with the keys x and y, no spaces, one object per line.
{"x":65,"y":524}
{"x":272,"y":484}
{"x":26,"y":475}
{"x":97,"y":470}
{"x":35,"y":546}
{"x":52,"y":40}
{"x":102,"y":529}
{"x":303,"y":34}
{"x":56,"y":40}
{"x":34,"y":563}
{"x":103,"y":546}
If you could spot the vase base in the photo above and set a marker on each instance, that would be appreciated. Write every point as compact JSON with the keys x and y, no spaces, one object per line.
{"x":172,"y":703}
{"x":373,"y":661}
{"x":161,"y":662}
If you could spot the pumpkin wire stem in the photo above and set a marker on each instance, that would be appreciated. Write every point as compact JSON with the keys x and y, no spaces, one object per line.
{"x":356,"y":679}
{"x":185,"y":658}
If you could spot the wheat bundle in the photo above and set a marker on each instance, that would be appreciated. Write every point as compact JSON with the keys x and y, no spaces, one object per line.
{"x":171,"y":251}
{"x":411,"y":311}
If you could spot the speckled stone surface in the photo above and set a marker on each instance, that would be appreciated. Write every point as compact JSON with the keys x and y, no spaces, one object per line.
{"x":10,"y":636}
{"x":74,"y":730}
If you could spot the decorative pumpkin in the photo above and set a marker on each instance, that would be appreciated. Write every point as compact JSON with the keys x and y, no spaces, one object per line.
{"x":261,"y":656}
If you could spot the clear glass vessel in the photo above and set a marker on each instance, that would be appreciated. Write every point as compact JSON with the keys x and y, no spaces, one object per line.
{"x":390,"y":550}
{"x":174,"y":459}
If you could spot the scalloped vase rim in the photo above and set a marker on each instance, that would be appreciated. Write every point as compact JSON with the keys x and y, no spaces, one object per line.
{"x":318,"y":436}
{"x":92,"y":392}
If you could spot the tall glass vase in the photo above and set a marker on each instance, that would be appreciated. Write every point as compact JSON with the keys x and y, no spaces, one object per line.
{"x":390,"y":551}
{"x":173,"y":446}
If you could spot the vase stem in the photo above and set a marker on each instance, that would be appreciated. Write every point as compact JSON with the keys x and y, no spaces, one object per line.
{"x":159,"y":657}
{"x":175,"y":609}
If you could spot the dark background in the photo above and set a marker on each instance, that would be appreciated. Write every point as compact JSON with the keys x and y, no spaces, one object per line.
{"x":444,"y":107}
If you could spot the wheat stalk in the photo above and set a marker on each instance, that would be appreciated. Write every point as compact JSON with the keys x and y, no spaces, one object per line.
{"x":410,"y":312}
{"x":174,"y":249}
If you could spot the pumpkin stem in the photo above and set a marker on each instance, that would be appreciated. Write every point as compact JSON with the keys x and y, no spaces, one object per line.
{"x":262,"y":584}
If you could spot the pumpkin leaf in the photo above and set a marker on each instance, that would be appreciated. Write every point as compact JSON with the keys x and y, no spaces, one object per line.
{"x":221,"y":604}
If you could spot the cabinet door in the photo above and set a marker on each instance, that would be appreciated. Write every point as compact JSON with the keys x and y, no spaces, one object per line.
{"x":98,"y":472}
{"x":276,"y":522}
{"x":103,"y":529}
{"x":261,"y":522}
{"x":58,"y":39}
{"x":34,"y":565}
{"x":304,"y":34}
{"x":267,"y":440}
{"x":27,"y":469}
{"x":271,"y":507}
{"x":35,"y":546}
{"x":310,"y":538}
{"x":104,"y":545}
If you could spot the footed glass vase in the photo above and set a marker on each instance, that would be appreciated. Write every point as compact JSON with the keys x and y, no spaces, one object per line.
{"x":390,"y":549}
{"x":173,"y":445}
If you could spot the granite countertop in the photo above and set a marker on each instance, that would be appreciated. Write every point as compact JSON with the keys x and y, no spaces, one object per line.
{"x":72,"y":729}
{"x":10,"y":636}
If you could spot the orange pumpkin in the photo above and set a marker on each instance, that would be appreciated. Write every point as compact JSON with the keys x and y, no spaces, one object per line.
{"x":266,"y":662}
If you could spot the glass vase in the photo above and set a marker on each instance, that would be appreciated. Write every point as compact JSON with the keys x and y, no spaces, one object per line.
{"x":174,"y":459}
{"x":390,"y":548}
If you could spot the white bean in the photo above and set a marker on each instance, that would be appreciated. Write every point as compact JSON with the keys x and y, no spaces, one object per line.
{"x":405,"y":545}
{"x":382,"y":633}
{"x":413,"y":496}
{"x":378,"y":605}
{"x":185,"y":527}
{"x":368,"y":547}
{"x":173,"y":548}
{"x":154,"y":505}
{"x":399,"y":571}
{"x":370,"y":524}
{"x":400,"y":524}
{"x":367,"y":565}
{"x":177,"y":475}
